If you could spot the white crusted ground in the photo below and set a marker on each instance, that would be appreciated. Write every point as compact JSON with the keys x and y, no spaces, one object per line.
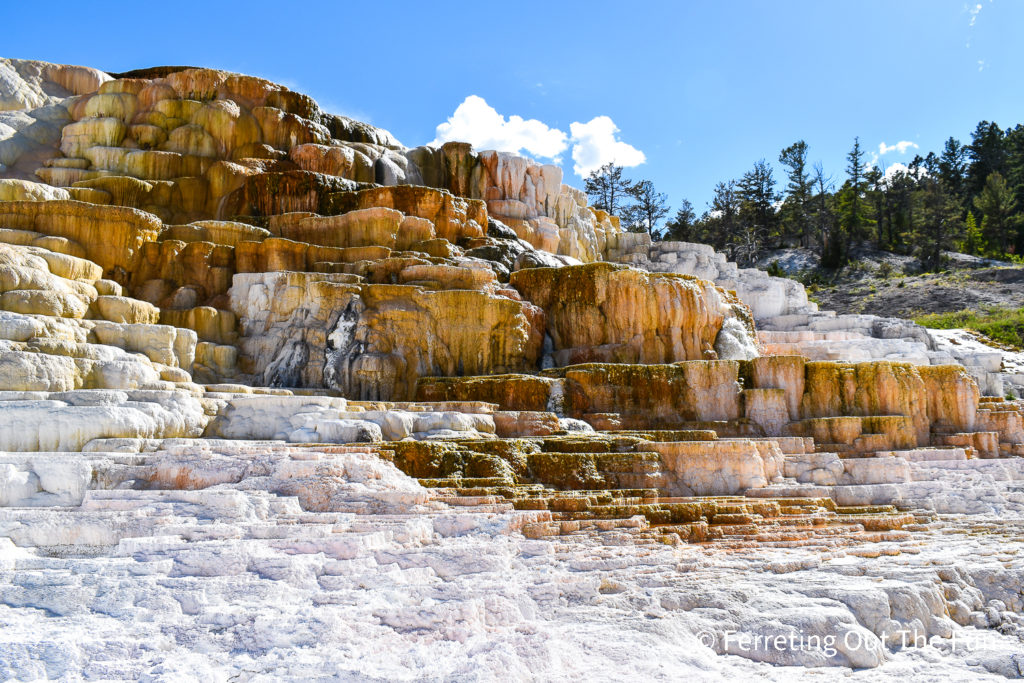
{"x":291,"y":564}
{"x":970,"y":349}
{"x":788,"y":323}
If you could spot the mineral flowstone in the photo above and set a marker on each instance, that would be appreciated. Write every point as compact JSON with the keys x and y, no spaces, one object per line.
{"x":281,"y":399}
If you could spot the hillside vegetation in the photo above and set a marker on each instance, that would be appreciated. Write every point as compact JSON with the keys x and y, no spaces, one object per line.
{"x":1002,"y":325}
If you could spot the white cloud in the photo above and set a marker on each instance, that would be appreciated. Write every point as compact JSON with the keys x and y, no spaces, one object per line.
{"x":593,"y":143}
{"x":981,"y":65}
{"x":974,"y":11}
{"x":894,"y":169}
{"x":902,"y":168}
{"x":902,"y":146}
{"x":479,"y":124}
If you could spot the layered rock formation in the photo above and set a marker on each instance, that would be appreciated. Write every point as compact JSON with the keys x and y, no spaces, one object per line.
{"x":601,"y":312}
{"x":789,"y":323}
{"x":373,"y":341}
{"x":261,"y":364}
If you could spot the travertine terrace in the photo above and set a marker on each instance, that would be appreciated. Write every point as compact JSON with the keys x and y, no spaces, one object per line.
{"x":281,"y":398}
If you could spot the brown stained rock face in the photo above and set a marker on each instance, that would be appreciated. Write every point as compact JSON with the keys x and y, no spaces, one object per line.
{"x":952,"y":396}
{"x":717,"y":468}
{"x":165,"y":267}
{"x":930,"y":397}
{"x":344,"y":162}
{"x":510,"y":392}
{"x":614,"y":314}
{"x":834,"y":389}
{"x":373,"y":342}
{"x":459,"y":162}
{"x":283,"y":254}
{"x":268,"y":194}
{"x":384,"y":294}
{"x":222,"y":233}
{"x":781,"y":372}
{"x":186,"y":143}
{"x":210,"y":324}
{"x":375,"y":226}
{"x":767,"y":408}
{"x":525,"y":423}
{"x":659,"y":396}
{"x":456,"y":332}
{"x":124,"y":231}
{"x":451,"y":167}
{"x":454,"y":218}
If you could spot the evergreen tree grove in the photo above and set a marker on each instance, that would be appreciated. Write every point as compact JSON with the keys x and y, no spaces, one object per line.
{"x":967,"y":196}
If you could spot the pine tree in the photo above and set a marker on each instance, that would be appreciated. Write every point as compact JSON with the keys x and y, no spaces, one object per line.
{"x":823,"y":216}
{"x":607,"y":188}
{"x":974,"y":241}
{"x":757,"y":197}
{"x":900,"y":190}
{"x":796,"y":211}
{"x":987,"y":154}
{"x":682,"y":226}
{"x":720,"y":228}
{"x":875,"y":192}
{"x":999,"y":218}
{"x":853,"y":212}
{"x":939,"y":223}
{"x":1014,"y":142}
{"x":648,"y":209}
{"x":952,"y":168}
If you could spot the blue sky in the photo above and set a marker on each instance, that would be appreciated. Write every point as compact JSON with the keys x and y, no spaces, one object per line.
{"x":698,"y":91}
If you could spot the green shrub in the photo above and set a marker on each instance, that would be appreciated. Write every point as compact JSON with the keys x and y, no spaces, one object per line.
{"x":812,"y":277}
{"x":1002,"y":325}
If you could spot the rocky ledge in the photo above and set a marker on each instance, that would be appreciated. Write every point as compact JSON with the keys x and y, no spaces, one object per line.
{"x":281,"y":398}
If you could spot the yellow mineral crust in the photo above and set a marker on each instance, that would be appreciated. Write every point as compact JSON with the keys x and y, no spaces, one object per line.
{"x":607,"y":313}
{"x":123,"y":230}
{"x":373,"y":341}
{"x":511,"y":392}
{"x":196,"y":227}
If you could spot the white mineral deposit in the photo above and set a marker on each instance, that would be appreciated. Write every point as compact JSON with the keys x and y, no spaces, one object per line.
{"x":284,"y":399}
